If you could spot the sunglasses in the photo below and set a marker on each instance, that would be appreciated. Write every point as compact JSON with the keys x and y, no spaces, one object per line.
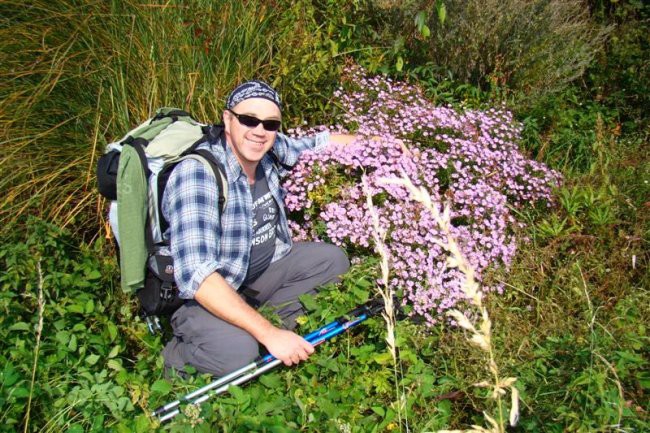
{"x":252,"y":122}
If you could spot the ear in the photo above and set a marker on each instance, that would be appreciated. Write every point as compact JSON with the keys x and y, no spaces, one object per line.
{"x":226,"y":117}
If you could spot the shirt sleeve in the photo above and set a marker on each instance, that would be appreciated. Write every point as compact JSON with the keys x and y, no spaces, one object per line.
{"x":288,"y":149}
{"x":190,"y":207}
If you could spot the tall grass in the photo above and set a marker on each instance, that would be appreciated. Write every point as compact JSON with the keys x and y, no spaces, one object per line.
{"x":77,"y":74}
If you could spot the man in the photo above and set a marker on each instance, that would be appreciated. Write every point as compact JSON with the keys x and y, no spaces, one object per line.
{"x":227,"y":264}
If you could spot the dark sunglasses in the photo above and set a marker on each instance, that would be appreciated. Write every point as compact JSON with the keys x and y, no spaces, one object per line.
{"x":252,"y":122}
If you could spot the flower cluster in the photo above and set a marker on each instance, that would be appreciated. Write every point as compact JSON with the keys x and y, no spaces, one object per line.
{"x":467,"y":158}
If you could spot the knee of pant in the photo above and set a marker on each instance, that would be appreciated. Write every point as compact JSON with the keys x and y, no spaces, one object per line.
{"x":236,"y":359}
{"x":339,"y":263}
{"x":220,"y":361}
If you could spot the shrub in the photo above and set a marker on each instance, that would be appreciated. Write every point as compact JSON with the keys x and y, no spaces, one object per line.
{"x":62,"y":355}
{"x":532,"y":47}
{"x":469,"y":158}
{"x":619,"y":76}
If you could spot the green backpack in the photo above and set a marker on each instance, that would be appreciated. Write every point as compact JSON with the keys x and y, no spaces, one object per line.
{"x":133,"y":174}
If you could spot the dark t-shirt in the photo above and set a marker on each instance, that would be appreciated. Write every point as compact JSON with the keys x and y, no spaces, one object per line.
{"x":265,"y":221}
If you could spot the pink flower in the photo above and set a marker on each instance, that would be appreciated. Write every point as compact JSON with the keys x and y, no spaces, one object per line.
{"x":470,"y":158}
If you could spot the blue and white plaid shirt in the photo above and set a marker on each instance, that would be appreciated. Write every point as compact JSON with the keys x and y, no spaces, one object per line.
{"x":202,"y":242}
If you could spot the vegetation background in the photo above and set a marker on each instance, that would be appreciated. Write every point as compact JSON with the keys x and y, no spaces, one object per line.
{"x":572,"y":326}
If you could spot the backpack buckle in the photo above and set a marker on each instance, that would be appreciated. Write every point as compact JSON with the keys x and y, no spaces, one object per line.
{"x":153,"y":324}
{"x":166,"y":292}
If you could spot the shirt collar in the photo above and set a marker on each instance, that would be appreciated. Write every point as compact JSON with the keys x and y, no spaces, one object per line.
{"x":231,"y":161}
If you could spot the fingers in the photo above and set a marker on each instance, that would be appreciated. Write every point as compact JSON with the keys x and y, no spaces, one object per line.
{"x":288,"y":347}
{"x":300,"y":352}
{"x":308,"y":348}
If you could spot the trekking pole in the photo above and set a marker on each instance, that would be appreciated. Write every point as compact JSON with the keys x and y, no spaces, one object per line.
{"x":165,"y":411}
{"x":268,"y":362}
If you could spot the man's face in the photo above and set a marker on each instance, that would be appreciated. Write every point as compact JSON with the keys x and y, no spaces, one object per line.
{"x":251,"y":144}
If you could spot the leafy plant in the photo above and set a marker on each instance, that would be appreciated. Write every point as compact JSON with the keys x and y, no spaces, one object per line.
{"x":535,"y":48}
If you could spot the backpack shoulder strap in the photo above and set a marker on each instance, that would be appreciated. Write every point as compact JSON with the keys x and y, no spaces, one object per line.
{"x":279,"y":165}
{"x":206,"y":158}
{"x":210,"y":162}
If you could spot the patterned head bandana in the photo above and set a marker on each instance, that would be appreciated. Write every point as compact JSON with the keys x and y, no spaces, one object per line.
{"x":253,"y":89}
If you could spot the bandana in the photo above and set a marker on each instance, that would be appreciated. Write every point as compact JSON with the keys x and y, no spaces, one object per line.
{"x":252,"y":89}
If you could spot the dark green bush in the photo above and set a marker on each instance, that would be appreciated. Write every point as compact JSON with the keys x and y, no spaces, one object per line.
{"x":619,"y":78}
{"x":533,"y":48}
{"x":62,"y":352}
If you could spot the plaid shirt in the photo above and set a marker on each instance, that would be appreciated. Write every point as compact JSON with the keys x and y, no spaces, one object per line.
{"x":202,"y":242}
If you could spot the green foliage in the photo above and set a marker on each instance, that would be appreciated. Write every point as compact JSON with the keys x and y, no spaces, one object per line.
{"x":585,"y":303}
{"x":77,"y":357}
{"x":534,"y":48}
{"x":323,"y":36}
{"x":572,"y":326}
{"x":577,"y":343}
{"x":606,"y":198}
{"x":619,"y":76}
{"x":582,"y":359}
{"x":563,"y":130}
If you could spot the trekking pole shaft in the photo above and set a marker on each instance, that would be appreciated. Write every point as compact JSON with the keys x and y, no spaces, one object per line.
{"x":267,"y":363}
{"x":262,"y":365}
{"x":341,"y":329}
{"x":311,"y":337}
{"x":273,"y":362}
{"x":189,"y":398}
{"x":238,"y":381}
{"x":322,"y":330}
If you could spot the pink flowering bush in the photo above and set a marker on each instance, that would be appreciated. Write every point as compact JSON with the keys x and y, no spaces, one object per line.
{"x":468,"y":158}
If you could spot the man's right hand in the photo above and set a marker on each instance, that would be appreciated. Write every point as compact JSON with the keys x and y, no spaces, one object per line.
{"x":287,"y":346}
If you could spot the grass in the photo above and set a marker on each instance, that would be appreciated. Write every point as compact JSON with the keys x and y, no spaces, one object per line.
{"x":581,"y":301}
{"x":77,"y":75}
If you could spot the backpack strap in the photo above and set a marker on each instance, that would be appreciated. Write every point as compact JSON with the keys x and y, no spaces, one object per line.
{"x":139,"y":144}
{"x":205,"y":157}
{"x":279,"y":165}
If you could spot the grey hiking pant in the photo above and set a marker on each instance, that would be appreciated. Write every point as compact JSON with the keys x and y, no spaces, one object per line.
{"x":215,"y":346}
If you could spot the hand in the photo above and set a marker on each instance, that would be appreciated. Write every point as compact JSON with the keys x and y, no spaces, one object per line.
{"x":288,"y":347}
{"x":342,"y":139}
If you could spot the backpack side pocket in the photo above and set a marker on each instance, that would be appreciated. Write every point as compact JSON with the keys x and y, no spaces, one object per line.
{"x":159,"y":296}
{"x":107,"y":174}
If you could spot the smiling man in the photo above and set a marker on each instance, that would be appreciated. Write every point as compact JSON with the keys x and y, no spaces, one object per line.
{"x":226,"y":265}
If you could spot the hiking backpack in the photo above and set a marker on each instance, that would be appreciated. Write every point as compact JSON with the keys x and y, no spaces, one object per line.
{"x":133,"y":174}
